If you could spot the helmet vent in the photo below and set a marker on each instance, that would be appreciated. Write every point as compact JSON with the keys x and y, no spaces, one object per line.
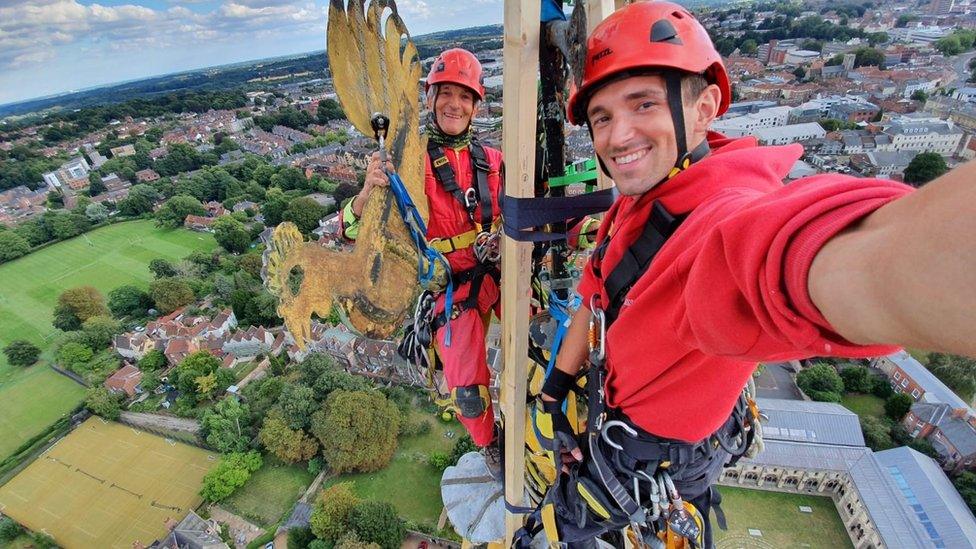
{"x":663,"y":31}
{"x":677,"y":15}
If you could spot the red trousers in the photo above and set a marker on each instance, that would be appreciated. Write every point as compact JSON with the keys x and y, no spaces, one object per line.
{"x":466,"y":361}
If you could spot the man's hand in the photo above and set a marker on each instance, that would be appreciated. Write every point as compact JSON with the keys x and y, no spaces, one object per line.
{"x":558,"y":436}
{"x":375,"y":177}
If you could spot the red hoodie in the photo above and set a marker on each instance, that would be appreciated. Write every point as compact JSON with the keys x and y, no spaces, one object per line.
{"x":729,"y":288}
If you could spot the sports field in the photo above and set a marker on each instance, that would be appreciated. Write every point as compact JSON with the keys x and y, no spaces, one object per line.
{"x":107,"y":485}
{"x":29,"y":287}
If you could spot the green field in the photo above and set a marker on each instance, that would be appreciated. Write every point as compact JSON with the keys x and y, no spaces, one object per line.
{"x":864,"y":405}
{"x":412,"y":486}
{"x":117,"y":254}
{"x":270,"y":493}
{"x":778,"y":517}
{"x":107,"y":485}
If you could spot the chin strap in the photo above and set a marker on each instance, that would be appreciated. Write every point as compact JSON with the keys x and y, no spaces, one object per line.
{"x":685,"y":157}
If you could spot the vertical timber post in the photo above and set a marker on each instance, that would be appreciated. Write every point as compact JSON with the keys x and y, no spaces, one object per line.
{"x":596,"y":11}
{"x":521,"y":60}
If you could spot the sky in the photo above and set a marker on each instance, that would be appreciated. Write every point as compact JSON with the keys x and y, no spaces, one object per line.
{"x":54,"y":46}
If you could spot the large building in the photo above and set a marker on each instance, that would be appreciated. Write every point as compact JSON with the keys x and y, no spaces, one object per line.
{"x":747,"y":124}
{"x":793,"y":133}
{"x":892,"y":499}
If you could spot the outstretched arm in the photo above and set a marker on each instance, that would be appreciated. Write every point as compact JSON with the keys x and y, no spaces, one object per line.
{"x":906,"y":274}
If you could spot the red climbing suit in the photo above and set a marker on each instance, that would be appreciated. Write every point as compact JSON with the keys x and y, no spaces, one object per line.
{"x":729,"y":288}
{"x":465,"y":359}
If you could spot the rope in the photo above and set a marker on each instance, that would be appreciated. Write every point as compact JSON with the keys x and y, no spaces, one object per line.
{"x":418,"y":231}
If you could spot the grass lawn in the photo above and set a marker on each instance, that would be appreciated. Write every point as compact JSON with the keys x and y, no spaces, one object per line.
{"x":780,"y":520}
{"x":270,"y":493}
{"x":412,"y":486}
{"x":118,"y":254}
{"x":864,"y":405}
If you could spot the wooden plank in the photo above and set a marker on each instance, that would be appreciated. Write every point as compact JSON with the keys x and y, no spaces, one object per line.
{"x":521,"y":57}
{"x":596,"y":11}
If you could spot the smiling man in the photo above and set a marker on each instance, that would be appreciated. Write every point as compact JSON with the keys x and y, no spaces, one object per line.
{"x":707,"y":264}
{"x":462,"y":183}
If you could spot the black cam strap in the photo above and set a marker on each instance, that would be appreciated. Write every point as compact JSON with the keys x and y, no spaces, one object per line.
{"x":635,"y":261}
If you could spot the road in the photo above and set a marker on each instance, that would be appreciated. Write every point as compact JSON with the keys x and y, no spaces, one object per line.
{"x":959,"y":63}
{"x":776,"y":381}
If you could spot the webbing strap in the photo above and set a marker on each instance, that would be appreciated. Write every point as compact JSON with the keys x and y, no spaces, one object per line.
{"x":479,"y":167}
{"x":524,"y":216}
{"x":637,"y":258}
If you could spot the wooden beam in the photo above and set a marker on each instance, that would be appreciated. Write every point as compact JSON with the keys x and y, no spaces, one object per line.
{"x":596,"y":11}
{"x":521,"y":58}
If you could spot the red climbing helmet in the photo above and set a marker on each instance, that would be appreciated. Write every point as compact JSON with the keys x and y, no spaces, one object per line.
{"x":647,"y":35}
{"x":457,"y":66}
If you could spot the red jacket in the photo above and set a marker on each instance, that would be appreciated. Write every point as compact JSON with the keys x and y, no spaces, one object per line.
{"x":449,"y":218}
{"x":729,"y":289}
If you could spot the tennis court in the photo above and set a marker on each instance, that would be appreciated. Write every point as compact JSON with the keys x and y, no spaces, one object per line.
{"x":107,"y":485}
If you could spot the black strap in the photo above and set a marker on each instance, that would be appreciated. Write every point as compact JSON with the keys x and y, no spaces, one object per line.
{"x":479,"y":162}
{"x":637,"y":258}
{"x":523,"y":215}
{"x":673,"y":81}
{"x":480,"y":169}
{"x":476,"y":276}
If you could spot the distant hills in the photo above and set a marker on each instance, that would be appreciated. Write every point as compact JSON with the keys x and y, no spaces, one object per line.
{"x":309,"y":66}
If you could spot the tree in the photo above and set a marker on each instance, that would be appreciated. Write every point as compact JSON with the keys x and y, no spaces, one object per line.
{"x":99,"y":330}
{"x":9,"y":530}
{"x":65,"y":319}
{"x":876,"y":433}
{"x":66,"y":225}
{"x":821,"y":382}
{"x":21,"y":353}
{"x":925,"y":167}
{"x":170,"y":294}
{"x":357,"y":429}
{"x":73,"y":354}
{"x":95,"y":184}
{"x":749,"y":47}
{"x":881,"y":387}
{"x":867,"y":56}
{"x":287,"y":444}
{"x":800,"y":73}
{"x":140,"y":200}
{"x":949,"y":45}
{"x":152,"y":361}
{"x":958,"y":372}
{"x":225,"y":425}
{"x":160,"y":268}
{"x":349,"y":540}
{"x":305,"y":213}
{"x":297,"y":405}
{"x":128,"y":300}
{"x":289,"y":178}
{"x":274,"y":207}
{"x":919,"y":95}
{"x":923,"y":446}
{"x":231,"y":234}
{"x":329,"y":109}
{"x":195,"y":365}
{"x":174,"y":211}
{"x":377,"y":522}
{"x":96,"y":212}
{"x":103,"y":402}
{"x":965,"y":484}
{"x":83,"y":302}
{"x":12,"y":246}
{"x":898,"y":405}
{"x":857,"y":379}
{"x":150,"y":380}
{"x":229,"y":475}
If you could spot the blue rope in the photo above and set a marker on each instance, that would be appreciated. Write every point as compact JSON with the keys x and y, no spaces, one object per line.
{"x":418,"y":233}
{"x":560,"y":310}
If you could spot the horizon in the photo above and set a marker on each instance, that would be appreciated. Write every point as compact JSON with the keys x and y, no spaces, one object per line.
{"x":57,"y":47}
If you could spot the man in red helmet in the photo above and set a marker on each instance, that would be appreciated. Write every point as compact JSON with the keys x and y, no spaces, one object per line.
{"x":707,"y":264}
{"x":462,"y":183}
